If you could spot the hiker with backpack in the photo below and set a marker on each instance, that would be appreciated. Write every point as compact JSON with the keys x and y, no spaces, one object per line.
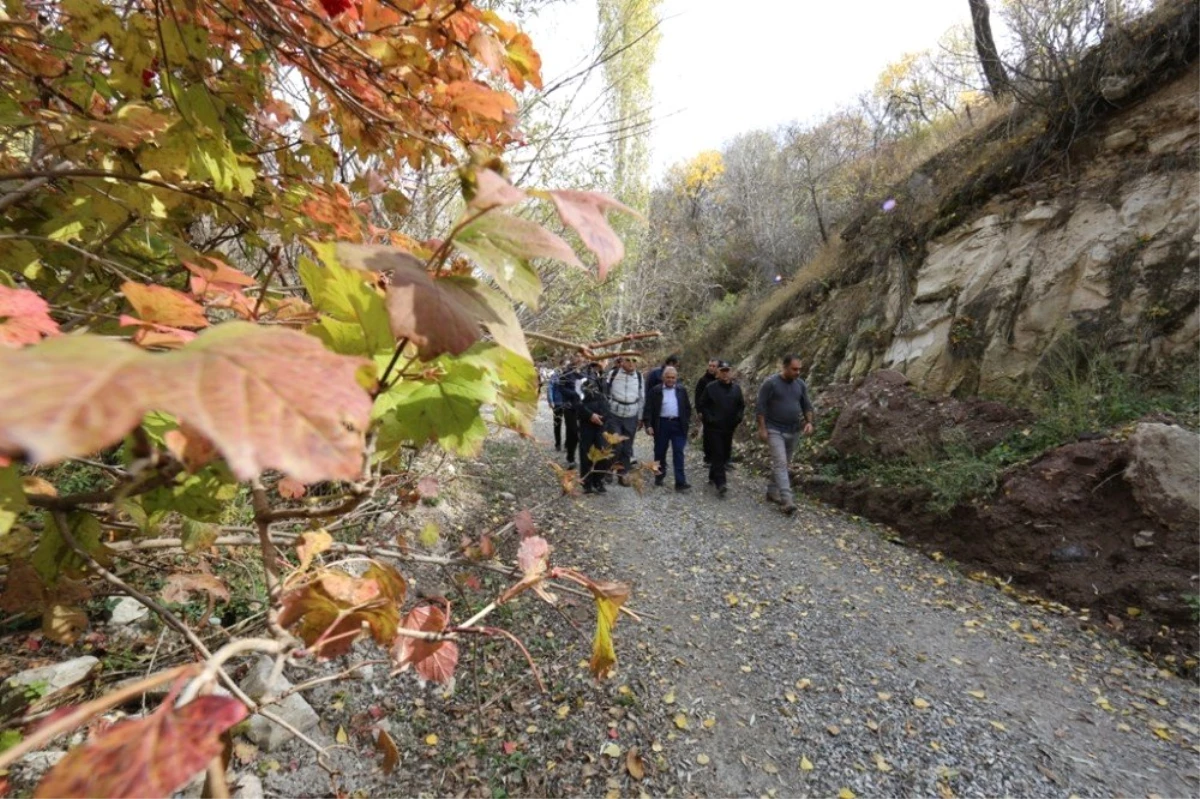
{"x":626,"y":399}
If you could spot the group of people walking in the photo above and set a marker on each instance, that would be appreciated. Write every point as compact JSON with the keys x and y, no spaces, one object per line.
{"x":589,"y":400}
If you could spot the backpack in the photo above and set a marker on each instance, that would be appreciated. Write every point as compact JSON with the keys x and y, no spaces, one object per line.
{"x":612,"y":376}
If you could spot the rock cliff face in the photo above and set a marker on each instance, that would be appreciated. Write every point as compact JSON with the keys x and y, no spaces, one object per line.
{"x":1104,"y":246}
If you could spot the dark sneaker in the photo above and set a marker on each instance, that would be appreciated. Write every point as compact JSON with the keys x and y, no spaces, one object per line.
{"x":589,"y":490}
{"x":558,"y":447}
{"x":774,"y":498}
{"x":789,"y":508}
{"x":572,"y":465}
{"x":722,"y":490}
{"x":658,"y":481}
{"x":600,"y":489}
{"x":683,"y":486}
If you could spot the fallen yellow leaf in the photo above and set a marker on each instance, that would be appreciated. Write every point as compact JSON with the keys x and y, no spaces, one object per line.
{"x":920,"y":704}
{"x":709,"y":723}
{"x":998,"y":726}
{"x":978,"y":694}
{"x":882,"y":764}
{"x":681,"y":721}
{"x":805,"y":764}
{"x":431,"y":739}
{"x":611,"y":750}
{"x":804,"y":683}
{"x":791,"y":697}
{"x":846,"y":793}
{"x":341,"y":736}
{"x":702,"y":759}
{"x":669,"y":699}
{"x":884,"y":696}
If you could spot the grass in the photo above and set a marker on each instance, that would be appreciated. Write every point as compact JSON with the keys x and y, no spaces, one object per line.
{"x":1083,"y":391}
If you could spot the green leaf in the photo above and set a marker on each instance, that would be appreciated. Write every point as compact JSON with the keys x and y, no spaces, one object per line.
{"x":12,"y":498}
{"x":502,"y":245}
{"x":202,"y":496}
{"x":445,"y":409}
{"x":350,"y":302}
{"x":516,"y":382}
{"x":54,"y":557}
{"x":196,"y":535}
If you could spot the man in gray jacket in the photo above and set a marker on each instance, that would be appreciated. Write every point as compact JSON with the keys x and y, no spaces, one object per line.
{"x":783,"y":403}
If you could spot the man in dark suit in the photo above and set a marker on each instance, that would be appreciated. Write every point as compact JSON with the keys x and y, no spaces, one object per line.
{"x":667,"y":416}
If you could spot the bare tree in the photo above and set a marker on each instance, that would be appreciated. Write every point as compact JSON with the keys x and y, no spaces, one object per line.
{"x":985,"y":45}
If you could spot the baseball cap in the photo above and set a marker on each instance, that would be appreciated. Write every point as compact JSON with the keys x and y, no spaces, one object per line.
{"x":723,"y":365}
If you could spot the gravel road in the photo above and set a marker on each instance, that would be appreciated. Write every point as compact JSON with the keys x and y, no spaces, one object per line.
{"x":812,"y":655}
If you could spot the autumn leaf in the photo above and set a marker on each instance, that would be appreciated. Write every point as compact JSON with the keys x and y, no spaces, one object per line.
{"x":328,"y":612}
{"x":311,"y":544}
{"x":180,"y":587}
{"x":189,"y":447}
{"x":161,"y":305}
{"x":533,"y":556}
{"x":609,"y":598}
{"x":492,"y":190}
{"x":433,"y":660}
{"x":583,"y":212}
{"x":62,"y":624}
{"x":151,"y":756}
{"x":478,"y":99}
{"x":290,"y":489}
{"x":523,"y":522}
{"x":24,"y":318}
{"x":634,"y":764}
{"x":503,"y":246}
{"x":805,"y":764}
{"x":434,"y":314}
{"x":387,"y":747}
{"x":427,"y":487}
{"x":266,"y":398}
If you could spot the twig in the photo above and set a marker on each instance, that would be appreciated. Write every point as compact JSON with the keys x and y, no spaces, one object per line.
{"x":48,"y":732}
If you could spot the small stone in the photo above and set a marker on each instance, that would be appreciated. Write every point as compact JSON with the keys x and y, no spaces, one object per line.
{"x":1120,"y":140}
{"x":247,"y":786}
{"x":127,"y":612}
{"x":1071,"y":553}
{"x":507,"y":496}
{"x":1114,"y":87}
{"x":29,"y":770}
{"x":294,"y":709}
{"x":1143,"y":539}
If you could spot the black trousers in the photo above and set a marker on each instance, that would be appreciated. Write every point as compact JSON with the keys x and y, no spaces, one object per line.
{"x":572,"y":423}
{"x":558,"y":426}
{"x":719,"y":444}
{"x":707,"y":445}
{"x":591,"y":435}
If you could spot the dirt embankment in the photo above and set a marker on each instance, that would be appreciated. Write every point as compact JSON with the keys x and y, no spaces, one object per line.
{"x":1076,"y":524}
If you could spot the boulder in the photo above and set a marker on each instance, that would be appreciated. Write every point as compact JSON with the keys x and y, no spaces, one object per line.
{"x":29,"y":770}
{"x":246,"y":786}
{"x":37,"y":689}
{"x":1164,"y":473}
{"x":294,"y":709}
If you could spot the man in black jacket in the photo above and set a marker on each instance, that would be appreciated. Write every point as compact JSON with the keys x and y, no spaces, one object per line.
{"x":722,"y":408}
{"x":667,"y":416}
{"x":655,"y":376}
{"x":593,"y":414}
{"x":569,"y":378}
{"x":709,"y":376}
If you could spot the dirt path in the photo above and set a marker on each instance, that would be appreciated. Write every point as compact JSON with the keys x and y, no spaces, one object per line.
{"x":825,"y":658}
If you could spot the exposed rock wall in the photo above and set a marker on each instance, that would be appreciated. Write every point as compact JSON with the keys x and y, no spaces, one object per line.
{"x":1105,"y":247}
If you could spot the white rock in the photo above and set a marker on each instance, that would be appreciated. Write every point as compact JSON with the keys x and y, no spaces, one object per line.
{"x":248,"y":786}
{"x":1120,"y":140}
{"x":58,"y":676}
{"x":294,"y":709}
{"x":1164,"y":473}
{"x":128,"y":611}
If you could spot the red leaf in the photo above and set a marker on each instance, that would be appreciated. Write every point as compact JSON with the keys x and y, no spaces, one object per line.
{"x":427,"y":487}
{"x":163,"y":306}
{"x":335,"y":7}
{"x":509,"y":747}
{"x":533,"y":556}
{"x":24,"y":318}
{"x":493,"y":191}
{"x":290,"y":489}
{"x":434,"y":660}
{"x":583,"y":212}
{"x":487,"y":549}
{"x":152,"y":756}
{"x":267,"y":398}
{"x":523,"y":521}
{"x":159,"y":337}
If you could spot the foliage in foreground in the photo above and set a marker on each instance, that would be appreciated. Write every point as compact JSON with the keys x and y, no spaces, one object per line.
{"x":203,"y":300}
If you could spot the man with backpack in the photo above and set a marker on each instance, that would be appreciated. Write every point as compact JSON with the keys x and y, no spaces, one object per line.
{"x":626,"y":399}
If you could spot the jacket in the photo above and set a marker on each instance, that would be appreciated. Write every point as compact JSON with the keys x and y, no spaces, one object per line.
{"x":625,"y":395}
{"x":654,"y":400}
{"x":592,"y":400}
{"x":553,"y":392}
{"x":722,"y":407}
{"x":702,"y":384}
{"x":653,"y":378}
{"x":568,"y":387}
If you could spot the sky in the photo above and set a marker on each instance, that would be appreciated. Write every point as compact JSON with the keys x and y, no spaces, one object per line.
{"x":725,"y":67}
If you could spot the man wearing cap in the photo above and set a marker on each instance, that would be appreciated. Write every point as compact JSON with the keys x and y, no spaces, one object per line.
{"x":709,"y":376}
{"x":626,"y":400}
{"x":783,"y":403}
{"x":722,"y":408}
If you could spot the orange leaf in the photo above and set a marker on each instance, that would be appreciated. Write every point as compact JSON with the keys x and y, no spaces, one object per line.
{"x":157,"y":337}
{"x":311,"y":544}
{"x":163,"y":306}
{"x":189,"y":447}
{"x":290,"y":489}
{"x":478,"y":99}
{"x":336,"y":604}
{"x":152,"y":756}
{"x":523,"y":62}
{"x":180,"y":587}
{"x":488,"y":51}
{"x":434,"y":660}
{"x":24,"y":318}
{"x":391,"y":754}
{"x":218,"y":274}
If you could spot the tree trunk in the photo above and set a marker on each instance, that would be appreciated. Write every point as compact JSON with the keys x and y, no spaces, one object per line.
{"x":985,"y":45}
{"x":812,"y":191}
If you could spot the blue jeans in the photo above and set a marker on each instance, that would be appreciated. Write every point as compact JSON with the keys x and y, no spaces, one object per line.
{"x":670,"y":431}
